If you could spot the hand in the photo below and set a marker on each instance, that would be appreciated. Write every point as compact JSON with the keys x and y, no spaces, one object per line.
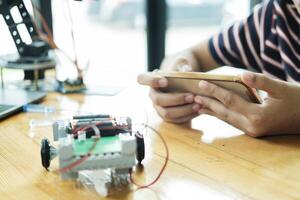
{"x":183,"y":61}
{"x":172,"y":107}
{"x":278,"y":114}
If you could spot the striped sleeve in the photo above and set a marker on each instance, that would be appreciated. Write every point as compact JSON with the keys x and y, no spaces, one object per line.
{"x":239,"y":44}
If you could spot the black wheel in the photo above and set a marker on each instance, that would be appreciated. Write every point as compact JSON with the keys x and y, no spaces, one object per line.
{"x":140,"y":148}
{"x":45,"y":153}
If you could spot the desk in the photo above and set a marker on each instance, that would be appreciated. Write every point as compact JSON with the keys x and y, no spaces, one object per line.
{"x":229,"y":165}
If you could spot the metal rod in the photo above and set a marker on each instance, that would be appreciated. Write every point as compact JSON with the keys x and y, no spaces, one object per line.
{"x":1,"y":74}
{"x":36,"y":79}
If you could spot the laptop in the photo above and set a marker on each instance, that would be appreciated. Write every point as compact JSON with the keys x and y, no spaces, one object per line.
{"x":12,"y":101}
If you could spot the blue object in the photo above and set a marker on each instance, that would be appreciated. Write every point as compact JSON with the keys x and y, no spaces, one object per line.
{"x":38,"y":108}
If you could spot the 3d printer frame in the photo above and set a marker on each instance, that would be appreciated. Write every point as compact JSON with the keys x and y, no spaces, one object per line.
{"x":34,"y":53}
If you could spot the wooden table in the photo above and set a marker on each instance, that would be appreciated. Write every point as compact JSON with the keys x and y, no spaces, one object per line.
{"x":208,"y":159}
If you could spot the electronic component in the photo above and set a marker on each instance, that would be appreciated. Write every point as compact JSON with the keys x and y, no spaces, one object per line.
{"x":93,"y":142}
{"x":71,"y":86}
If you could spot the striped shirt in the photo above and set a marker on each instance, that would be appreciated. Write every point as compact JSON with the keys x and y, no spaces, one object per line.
{"x":268,"y":41}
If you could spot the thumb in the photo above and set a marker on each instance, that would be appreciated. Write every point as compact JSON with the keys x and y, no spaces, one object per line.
{"x":152,"y":80}
{"x":273,"y":87}
{"x":185,"y":68}
{"x":183,"y":65}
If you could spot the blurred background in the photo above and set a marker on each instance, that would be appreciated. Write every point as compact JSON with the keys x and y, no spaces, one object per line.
{"x":111,"y":35}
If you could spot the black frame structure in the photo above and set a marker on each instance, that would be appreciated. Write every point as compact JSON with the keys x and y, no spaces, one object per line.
{"x":34,"y":53}
{"x":156,"y":11}
{"x":22,"y":48}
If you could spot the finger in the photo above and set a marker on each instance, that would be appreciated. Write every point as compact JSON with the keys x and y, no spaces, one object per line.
{"x":170,"y":99}
{"x":220,"y":111}
{"x":273,"y":87}
{"x":152,"y":80}
{"x":229,"y":99}
{"x":176,"y":112}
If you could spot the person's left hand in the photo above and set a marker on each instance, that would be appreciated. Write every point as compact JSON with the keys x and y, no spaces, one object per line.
{"x":278,"y":114}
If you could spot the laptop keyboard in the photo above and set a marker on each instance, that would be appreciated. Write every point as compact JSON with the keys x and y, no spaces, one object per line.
{"x":4,"y":108}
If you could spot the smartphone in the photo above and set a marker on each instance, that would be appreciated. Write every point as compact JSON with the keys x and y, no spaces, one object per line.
{"x":188,"y":82}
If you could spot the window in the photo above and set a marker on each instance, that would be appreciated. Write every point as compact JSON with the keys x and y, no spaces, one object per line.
{"x":191,"y":21}
{"x":108,"y":33}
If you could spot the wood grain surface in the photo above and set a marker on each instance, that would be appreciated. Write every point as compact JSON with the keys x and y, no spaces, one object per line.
{"x":208,"y":158}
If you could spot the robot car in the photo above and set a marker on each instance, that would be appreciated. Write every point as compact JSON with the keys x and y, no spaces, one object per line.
{"x":93,"y":142}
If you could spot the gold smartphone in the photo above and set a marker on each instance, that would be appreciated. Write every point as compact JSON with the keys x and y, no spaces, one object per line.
{"x":188,"y":82}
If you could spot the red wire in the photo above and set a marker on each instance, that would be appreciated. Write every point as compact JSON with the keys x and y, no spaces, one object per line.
{"x":75,"y":131}
{"x":108,"y":128}
{"x":81,"y":160}
{"x":90,"y":125}
{"x":73,"y":38}
{"x":51,"y":41}
{"x":163,"y":167}
{"x":78,"y":162}
{"x":83,"y":128}
{"x":140,"y":186}
{"x":45,"y":26}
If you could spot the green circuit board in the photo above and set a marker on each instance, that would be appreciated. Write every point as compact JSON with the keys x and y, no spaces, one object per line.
{"x":103,"y":145}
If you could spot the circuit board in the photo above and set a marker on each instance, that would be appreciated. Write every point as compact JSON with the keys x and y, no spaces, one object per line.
{"x":104,"y":145}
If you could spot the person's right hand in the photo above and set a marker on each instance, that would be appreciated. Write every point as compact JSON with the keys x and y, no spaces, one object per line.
{"x":172,"y":107}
